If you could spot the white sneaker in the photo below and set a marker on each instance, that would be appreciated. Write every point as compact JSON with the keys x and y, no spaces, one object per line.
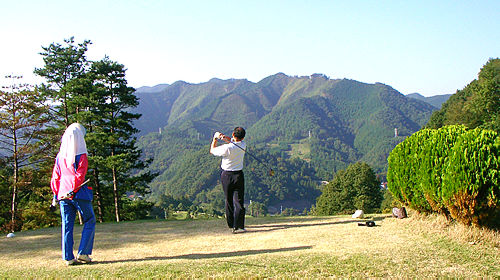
{"x":239,"y":230}
{"x":84,"y":258}
{"x":71,"y":262}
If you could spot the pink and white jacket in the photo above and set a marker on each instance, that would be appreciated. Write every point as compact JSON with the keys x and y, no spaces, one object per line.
{"x":71,"y":165}
{"x":65,"y":180}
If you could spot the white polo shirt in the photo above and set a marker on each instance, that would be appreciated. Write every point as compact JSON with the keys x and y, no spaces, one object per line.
{"x":232,"y":156}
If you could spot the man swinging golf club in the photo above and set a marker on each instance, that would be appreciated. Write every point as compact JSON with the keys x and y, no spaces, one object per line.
{"x":232,"y":179}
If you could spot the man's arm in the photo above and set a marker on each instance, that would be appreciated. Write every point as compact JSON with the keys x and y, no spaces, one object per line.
{"x":225,"y":138}
{"x":217,"y":136}
{"x":214,"y":144}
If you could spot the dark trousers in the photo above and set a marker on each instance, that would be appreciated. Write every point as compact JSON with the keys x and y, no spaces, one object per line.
{"x":233,"y":183}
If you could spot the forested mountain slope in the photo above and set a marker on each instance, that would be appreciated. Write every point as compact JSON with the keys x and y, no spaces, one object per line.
{"x":436,"y":100}
{"x":307,"y":127}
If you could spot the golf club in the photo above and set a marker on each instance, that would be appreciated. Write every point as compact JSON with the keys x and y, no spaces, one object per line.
{"x":68,"y":195}
{"x":71,"y":193}
{"x":224,"y":137}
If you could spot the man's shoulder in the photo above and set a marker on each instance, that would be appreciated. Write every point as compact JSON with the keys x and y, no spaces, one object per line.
{"x":240,"y":144}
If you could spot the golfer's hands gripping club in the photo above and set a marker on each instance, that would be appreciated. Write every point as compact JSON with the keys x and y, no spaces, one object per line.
{"x":53,"y":204}
{"x":220,"y":136}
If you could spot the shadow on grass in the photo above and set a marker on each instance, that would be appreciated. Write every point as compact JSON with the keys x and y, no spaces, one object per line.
{"x":279,"y":226}
{"x":209,"y":255}
{"x":114,"y":235}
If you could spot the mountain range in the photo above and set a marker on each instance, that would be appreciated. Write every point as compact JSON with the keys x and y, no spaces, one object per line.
{"x":436,"y":100}
{"x":306,"y":126}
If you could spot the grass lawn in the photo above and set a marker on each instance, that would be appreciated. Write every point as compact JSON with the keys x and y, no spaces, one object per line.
{"x":273,"y":247}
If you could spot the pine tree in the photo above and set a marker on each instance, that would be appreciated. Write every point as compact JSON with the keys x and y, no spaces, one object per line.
{"x":63,"y":65}
{"x":23,"y":117}
{"x":96,"y":94}
{"x":122,"y":158}
{"x":66,"y":71}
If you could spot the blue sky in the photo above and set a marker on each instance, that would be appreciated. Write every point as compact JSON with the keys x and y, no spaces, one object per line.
{"x":430,"y":47}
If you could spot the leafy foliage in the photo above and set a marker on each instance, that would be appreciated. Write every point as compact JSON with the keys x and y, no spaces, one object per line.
{"x":408,"y":163}
{"x":477,"y":105}
{"x":451,"y":170}
{"x":388,"y":202}
{"x":257,"y":209}
{"x":94,"y":93}
{"x":23,"y":117}
{"x":36,"y":214}
{"x":355,"y":188}
{"x":471,"y":181}
{"x":114,"y":126}
{"x":5,"y":197}
{"x":138,"y":209}
{"x":64,"y":66}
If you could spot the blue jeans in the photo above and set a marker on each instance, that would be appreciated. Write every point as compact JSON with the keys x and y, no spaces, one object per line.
{"x":68,"y":215}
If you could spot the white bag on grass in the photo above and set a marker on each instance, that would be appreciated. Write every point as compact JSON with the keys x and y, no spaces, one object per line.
{"x":358,"y":214}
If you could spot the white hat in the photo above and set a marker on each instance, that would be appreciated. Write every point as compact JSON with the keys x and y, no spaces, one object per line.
{"x":72,"y":143}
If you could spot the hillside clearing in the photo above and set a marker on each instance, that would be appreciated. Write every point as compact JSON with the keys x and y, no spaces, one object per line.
{"x":295,"y":247}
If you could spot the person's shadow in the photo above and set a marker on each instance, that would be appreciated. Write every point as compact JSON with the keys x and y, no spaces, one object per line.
{"x":261,"y":228}
{"x":198,"y":256}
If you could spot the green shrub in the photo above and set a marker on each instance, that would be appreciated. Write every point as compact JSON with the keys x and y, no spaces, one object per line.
{"x":37,"y":215}
{"x":471,"y":188}
{"x":452,"y":170}
{"x":404,"y":172}
{"x":434,"y":157}
{"x":135,"y":209}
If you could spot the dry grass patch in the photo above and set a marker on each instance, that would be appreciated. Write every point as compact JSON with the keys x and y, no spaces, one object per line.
{"x":298,"y":247}
{"x":439,"y":225}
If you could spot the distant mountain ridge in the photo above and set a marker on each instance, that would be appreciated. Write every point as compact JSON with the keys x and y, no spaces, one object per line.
{"x":168,"y":104}
{"x":436,"y":100}
{"x":323,"y":123}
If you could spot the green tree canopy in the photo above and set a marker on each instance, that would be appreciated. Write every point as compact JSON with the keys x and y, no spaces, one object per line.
{"x":477,"y":105}
{"x":354,"y":188}
{"x":23,"y":118}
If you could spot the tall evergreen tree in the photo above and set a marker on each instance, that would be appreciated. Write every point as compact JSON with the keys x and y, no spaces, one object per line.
{"x":122,"y":158}
{"x":63,"y":65}
{"x":23,"y":117}
{"x":96,"y":94}
{"x":65,"y":70}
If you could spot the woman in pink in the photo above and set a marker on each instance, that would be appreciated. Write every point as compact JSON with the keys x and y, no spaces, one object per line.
{"x":73,"y":194}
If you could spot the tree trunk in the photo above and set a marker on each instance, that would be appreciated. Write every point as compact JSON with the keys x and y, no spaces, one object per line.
{"x":14,"y":199}
{"x":98,"y":196}
{"x":115,"y":194}
{"x":66,"y":113}
{"x":16,"y":179}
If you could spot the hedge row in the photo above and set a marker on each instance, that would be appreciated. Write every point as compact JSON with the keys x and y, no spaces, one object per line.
{"x":452,"y":171}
